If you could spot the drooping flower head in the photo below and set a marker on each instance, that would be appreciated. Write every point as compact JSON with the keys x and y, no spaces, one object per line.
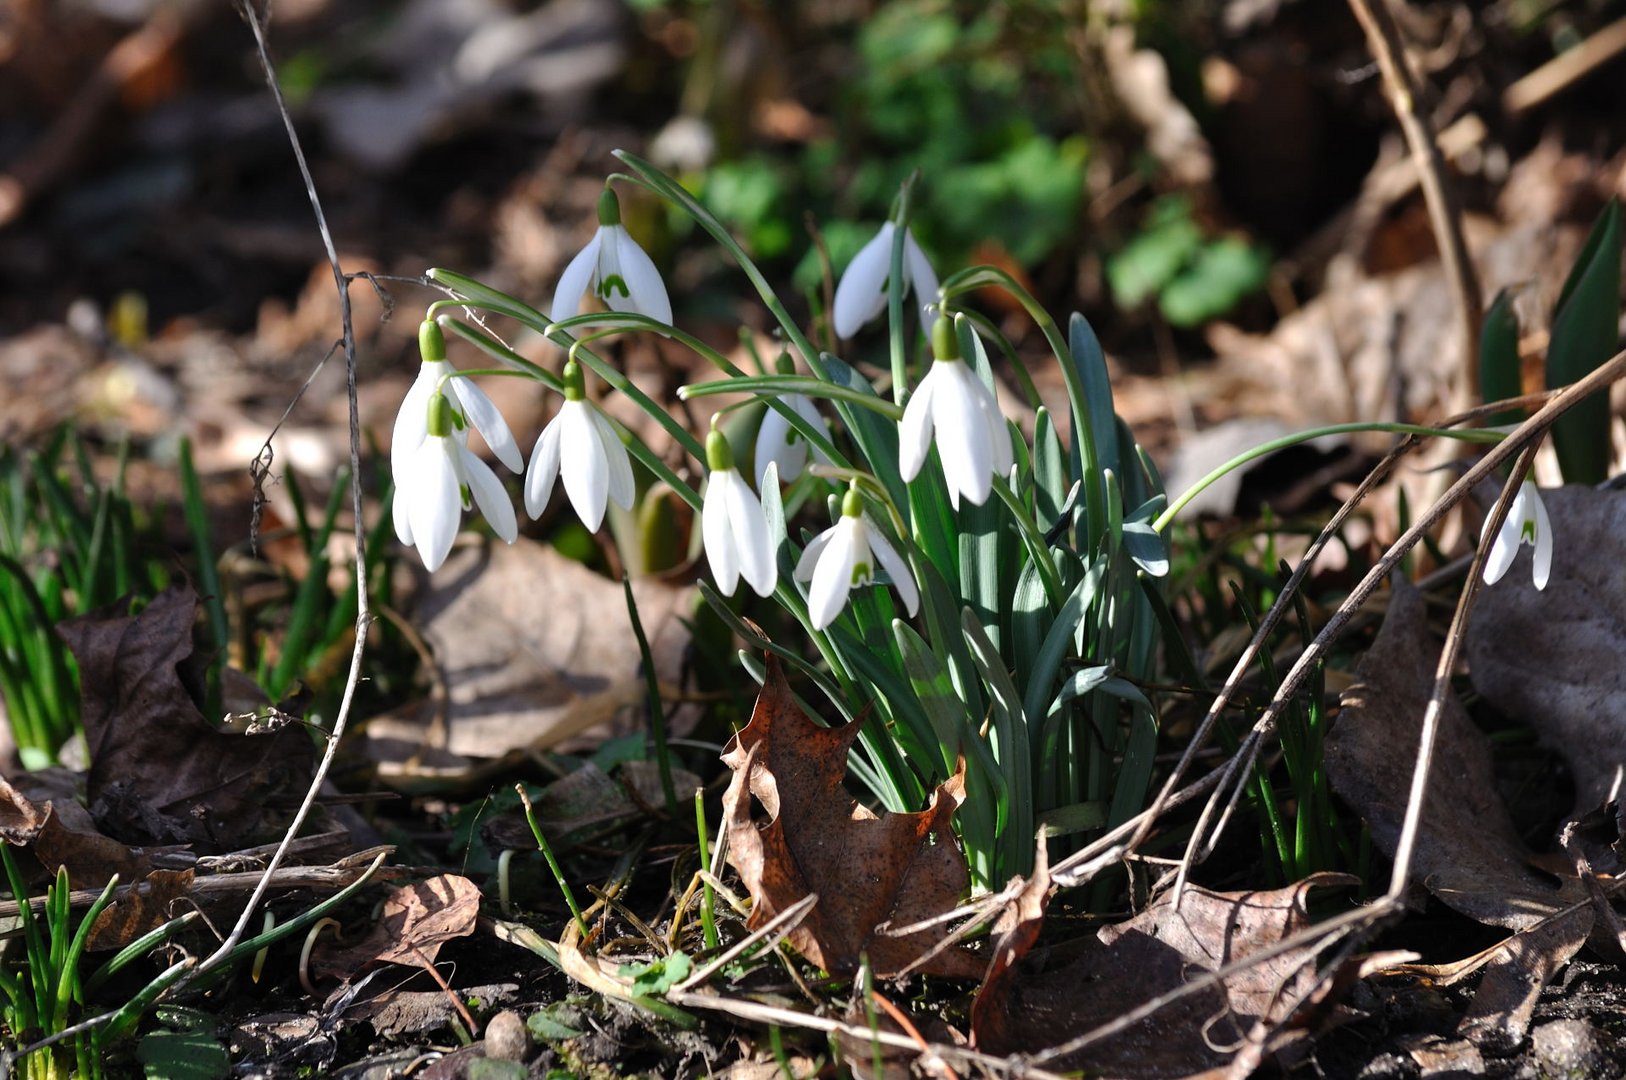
{"x":843,"y":557}
{"x":614,"y":269}
{"x":733,"y":525}
{"x":778,"y":443}
{"x":953,"y":405}
{"x":581,"y":443}
{"x":465,"y":404}
{"x":438,"y":479}
{"x":861,"y":294}
{"x":1526,"y":523}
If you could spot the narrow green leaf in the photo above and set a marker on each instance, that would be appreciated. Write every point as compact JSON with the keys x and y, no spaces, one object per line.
{"x":1585,"y":334}
{"x":1499,"y":376}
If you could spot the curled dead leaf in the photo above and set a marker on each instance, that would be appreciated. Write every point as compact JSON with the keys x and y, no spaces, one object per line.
{"x":159,"y":771}
{"x":417,"y":920}
{"x":1026,"y":1007}
{"x":869,"y":871}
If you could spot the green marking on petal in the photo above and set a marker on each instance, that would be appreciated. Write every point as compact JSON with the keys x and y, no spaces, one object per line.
{"x":863,"y":574}
{"x":1527,"y":532}
{"x":613,"y":283}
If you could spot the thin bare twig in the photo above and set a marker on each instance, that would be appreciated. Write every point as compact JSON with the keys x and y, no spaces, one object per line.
{"x":1405,"y":90}
{"x":342,"y":283}
{"x":1531,"y":430}
{"x":1441,"y":691}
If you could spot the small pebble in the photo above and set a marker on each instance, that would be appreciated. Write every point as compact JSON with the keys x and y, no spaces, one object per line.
{"x":1569,"y":1048}
{"x":506,"y":1037}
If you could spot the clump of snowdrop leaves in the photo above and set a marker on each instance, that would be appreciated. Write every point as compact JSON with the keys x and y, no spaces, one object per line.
{"x":580,"y":443}
{"x":614,"y":269}
{"x":1526,"y":523}
{"x":861,"y":294}
{"x":733,"y":525}
{"x":955,"y":406}
{"x":843,"y":557}
{"x":430,"y":461}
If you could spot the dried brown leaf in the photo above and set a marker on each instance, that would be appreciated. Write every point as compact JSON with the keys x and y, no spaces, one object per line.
{"x":1028,"y":1007}
{"x":60,"y":833}
{"x":159,"y":771}
{"x":537,"y":654}
{"x":1468,"y":852}
{"x":867,"y":870}
{"x":417,"y":920}
{"x":1551,"y":658}
{"x":140,"y":910}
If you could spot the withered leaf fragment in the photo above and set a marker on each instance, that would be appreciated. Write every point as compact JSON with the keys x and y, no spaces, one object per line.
{"x":160,"y":772}
{"x":869,"y":871}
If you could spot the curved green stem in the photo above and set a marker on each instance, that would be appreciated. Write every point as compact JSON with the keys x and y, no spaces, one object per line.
{"x":496,"y":349}
{"x":1473,"y":435}
{"x":792,"y":384}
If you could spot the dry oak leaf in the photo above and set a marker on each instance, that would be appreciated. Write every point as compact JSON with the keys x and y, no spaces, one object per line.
{"x":1026,"y":1007}
{"x":417,"y":920}
{"x":868,"y":871}
{"x":159,"y":771}
{"x":1552,"y":658}
{"x":1468,"y":852}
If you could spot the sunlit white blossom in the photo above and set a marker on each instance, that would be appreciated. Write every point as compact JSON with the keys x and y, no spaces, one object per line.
{"x":433,"y":488}
{"x":733,"y":526}
{"x":953,"y":405}
{"x":580,"y":444}
{"x":1526,"y":523}
{"x":778,"y":443}
{"x":468,"y":404}
{"x":613,"y":268}
{"x":861,"y":295}
{"x":843,"y":557}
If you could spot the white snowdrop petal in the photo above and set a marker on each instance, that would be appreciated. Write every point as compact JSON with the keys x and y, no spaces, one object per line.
{"x":544,"y":469}
{"x":490,"y":496}
{"x":965,"y":446}
{"x":487,"y":420}
{"x":412,"y":419}
{"x":583,"y":468}
{"x":578,"y":275}
{"x":434,"y":501}
{"x":923,"y":279}
{"x":750,"y":530}
{"x":1542,"y":568}
{"x":833,"y":576}
{"x":618,"y":466}
{"x":646,"y":291}
{"x":398,"y":513}
{"x":861,"y":293}
{"x":811,"y":555}
{"x":718,"y":537}
{"x":1503,"y":549}
{"x":903,"y":579}
{"x":915,"y":432}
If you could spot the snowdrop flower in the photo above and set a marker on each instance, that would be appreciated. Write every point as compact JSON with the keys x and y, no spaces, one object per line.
{"x":733,"y":525}
{"x":861,"y":295}
{"x":1526,"y":523}
{"x":613,"y":268}
{"x":843,"y":557}
{"x":962,"y":412}
{"x":466,"y":402}
{"x":593,"y":459}
{"x":439,"y":475}
{"x":778,"y":442}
